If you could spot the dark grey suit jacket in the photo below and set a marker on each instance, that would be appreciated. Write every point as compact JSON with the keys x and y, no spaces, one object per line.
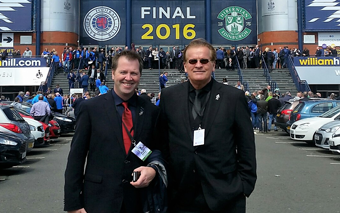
{"x":226,"y":163}
{"x":98,"y":144}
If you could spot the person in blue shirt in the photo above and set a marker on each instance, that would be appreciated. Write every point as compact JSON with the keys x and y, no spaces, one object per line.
{"x":59,"y":103}
{"x":219,"y":58}
{"x":36,"y":98}
{"x":71,"y":79}
{"x":77,"y":58}
{"x":101,"y":59}
{"x":55,"y":61}
{"x":103,"y":88}
{"x":21,"y":96}
{"x":84,"y":81}
{"x":163,"y":79}
{"x":98,"y":83}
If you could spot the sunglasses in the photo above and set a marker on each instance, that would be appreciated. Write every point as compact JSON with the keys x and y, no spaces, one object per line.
{"x":202,"y":61}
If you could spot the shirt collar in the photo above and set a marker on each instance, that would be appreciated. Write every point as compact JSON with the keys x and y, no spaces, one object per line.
{"x":118,"y":101}
{"x":206,"y":88}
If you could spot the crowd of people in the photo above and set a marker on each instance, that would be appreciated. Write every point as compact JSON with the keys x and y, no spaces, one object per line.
{"x":264,"y":104}
{"x":168,"y":147}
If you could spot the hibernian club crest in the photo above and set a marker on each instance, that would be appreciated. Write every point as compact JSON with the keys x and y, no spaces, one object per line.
{"x":234,"y":26}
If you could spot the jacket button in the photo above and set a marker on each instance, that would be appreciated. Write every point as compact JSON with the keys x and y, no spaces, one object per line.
{"x":124,"y":181}
{"x":194,"y":171}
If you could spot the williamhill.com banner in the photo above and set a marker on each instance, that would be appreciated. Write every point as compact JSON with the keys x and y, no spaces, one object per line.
{"x":317,"y":61}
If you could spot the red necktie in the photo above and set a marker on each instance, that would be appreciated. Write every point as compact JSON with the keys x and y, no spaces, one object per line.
{"x":127,"y":120}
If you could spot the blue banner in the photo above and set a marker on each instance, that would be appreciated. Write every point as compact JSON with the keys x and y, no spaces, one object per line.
{"x":15,"y":16}
{"x":233,"y":22}
{"x":23,"y":62}
{"x":103,"y":22}
{"x":322,"y":15}
{"x":316,"y":61}
{"x":167,"y":22}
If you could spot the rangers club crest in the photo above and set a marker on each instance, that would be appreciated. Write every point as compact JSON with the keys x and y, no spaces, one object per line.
{"x":234,"y":26}
{"x":102,"y":23}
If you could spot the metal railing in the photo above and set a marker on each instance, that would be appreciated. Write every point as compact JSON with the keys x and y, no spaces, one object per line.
{"x":240,"y":75}
{"x":265,"y":70}
{"x":47,"y":83}
{"x":301,"y":85}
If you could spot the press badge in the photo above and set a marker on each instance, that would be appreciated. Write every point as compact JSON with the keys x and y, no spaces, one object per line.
{"x":141,"y":151}
{"x":199,"y":137}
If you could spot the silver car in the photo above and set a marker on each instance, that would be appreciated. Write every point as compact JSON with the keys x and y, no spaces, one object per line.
{"x":324,"y":133}
{"x":12,"y":122}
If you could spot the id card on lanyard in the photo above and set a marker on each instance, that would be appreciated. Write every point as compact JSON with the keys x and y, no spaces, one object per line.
{"x":140,"y":150}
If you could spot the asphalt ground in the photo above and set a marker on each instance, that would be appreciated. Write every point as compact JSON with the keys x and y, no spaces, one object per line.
{"x":292,"y":177}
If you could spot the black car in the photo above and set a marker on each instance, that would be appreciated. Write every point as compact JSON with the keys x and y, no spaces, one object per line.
{"x":12,"y":150}
{"x":67,"y":124}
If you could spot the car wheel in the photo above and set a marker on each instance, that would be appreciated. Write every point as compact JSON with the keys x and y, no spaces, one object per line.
{"x":287,"y":131}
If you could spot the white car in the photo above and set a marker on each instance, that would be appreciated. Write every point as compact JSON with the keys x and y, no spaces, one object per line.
{"x":37,"y":131}
{"x":324,"y":133}
{"x":304,"y":130}
{"x":334,"y":142}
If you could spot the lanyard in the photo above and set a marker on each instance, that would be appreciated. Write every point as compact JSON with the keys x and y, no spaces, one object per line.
{"x":129,"y":134}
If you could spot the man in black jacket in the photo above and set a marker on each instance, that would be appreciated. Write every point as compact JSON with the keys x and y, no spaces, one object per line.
{"x":273,"y":105}
{"x":262,"y":107}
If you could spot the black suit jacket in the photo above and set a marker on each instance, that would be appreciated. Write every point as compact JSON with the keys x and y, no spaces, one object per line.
{"x":98,"y":144}
{"x":223,"y":172}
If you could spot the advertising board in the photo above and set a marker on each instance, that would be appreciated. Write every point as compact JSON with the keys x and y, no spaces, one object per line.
{"x":234,"y":22}
{"x":102,"y":22}
{"x":167,"y":22}
{"x":172,"y":22}
{"x":322,"y":15}
{"x":16,"y":16}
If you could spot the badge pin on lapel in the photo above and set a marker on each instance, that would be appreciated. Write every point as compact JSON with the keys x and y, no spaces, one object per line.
{"x":218,"y":97}
{"x":141,"y":111}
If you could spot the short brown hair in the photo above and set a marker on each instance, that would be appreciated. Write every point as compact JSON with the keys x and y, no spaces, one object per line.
{"x":200,"y":42}
{"x":130,"y":55}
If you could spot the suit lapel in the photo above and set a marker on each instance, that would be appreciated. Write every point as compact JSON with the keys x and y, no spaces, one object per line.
{"x":139,"y":117}
{"x":213,"y":106}
{"x":110,"y":109}
{"x":183,"y":103}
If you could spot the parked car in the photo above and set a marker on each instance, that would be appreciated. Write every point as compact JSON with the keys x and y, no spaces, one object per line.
{"x":52,"y":132}
{"x":12,"y":122}
{"x":12,"y":150}
{"x":54,"y":129}
{"x":324,"y":133}
{"x":311,"y":108}
{"x":334,"y":142}
{"x":304,"y":130}
{"x":67,"y":124}
{"x":283,"y":114}
{"x":37,"y":131}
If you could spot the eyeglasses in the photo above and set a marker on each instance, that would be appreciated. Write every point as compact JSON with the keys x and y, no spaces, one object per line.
{"x":202,"y":61}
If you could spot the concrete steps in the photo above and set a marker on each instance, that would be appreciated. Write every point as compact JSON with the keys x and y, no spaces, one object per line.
{"x":150,"y":79}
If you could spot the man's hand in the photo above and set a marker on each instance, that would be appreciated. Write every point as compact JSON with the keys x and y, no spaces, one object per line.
{"x":147,"y":174}
{"x":78,"y":211}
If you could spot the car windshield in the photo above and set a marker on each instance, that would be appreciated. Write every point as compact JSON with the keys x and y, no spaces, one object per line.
{"x":298,"y":107}
{"x":331,"y":113}
{"x":12,"y":114}
{"x":285,"y":106}
{"x":23,"y":112}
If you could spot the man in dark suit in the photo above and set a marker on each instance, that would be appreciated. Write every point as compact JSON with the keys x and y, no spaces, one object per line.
{"x":208,"y":140}
{"x":58,"y":89}
{"x":104,"y":144}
